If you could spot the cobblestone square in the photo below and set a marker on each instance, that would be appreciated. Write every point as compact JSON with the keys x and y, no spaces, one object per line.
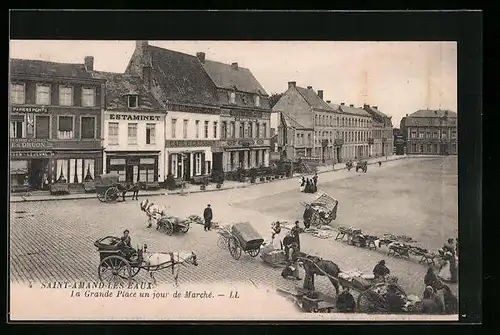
{"x":53,"y":240}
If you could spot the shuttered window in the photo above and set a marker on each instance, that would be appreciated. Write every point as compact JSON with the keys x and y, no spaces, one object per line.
{"x":88,"y":127}
{"x":42,"y":126}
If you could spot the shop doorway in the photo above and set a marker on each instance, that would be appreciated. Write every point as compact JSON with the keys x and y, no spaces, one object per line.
{"x":187,"y":167}
{"x":38,"y":174}
{"x":339,"y":155}
{"x":129,"y":173}
{"x":241,"y":159}
{"x":217,"y":161}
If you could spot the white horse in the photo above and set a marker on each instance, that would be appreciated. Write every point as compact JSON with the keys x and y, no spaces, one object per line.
{"x":153,"y":261}
{"x":153,"y":211}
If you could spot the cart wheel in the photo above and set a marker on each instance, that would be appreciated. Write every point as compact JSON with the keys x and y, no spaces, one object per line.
{"x":114,"y":269}
{"x":111,"y":194}
{"x":222,"y":242}
{"x":101,"y":197}
{"x":169,"y":228}
{"x":234,"y":248}
{"x":184,"y":229}
{"x":254,"y":252}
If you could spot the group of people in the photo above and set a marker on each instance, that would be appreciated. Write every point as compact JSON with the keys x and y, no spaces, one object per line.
{"x":309,"y":185}
{"x":448,"y":271}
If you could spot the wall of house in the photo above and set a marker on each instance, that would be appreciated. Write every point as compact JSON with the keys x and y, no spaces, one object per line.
{"x":296,"y":106}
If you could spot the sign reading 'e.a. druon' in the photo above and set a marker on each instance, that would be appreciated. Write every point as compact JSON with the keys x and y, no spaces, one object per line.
{"x":29,"y":143}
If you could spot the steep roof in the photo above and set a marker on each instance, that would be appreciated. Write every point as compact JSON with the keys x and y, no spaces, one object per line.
{"x":180,"y":76}
{"x":291,"y":122}
{"x":313,"y":99}
{"x":28,"y":67}
{"x":354,"y":110}
{"x":430,"y":121}
{"x":376,"y":112}
{"x":226,"y":76}
{"x":119,"y":85}
{"x":433,"y":113}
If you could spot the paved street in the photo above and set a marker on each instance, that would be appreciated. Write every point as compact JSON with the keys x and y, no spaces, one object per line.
{"x":416,"y":197}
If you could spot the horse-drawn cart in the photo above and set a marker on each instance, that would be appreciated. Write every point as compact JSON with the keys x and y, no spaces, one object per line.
{"x":362,"y":165}
{"x":321,"y":211}
{"x":108,"y":188}
{"x":240,"y":237}
{"x":171,"y":224}
{"x":120,"y":263}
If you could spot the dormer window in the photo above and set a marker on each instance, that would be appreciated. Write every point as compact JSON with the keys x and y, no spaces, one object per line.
{"x":257,"y":101}
{"x":232,"y":97}
{"x":133,"y":101}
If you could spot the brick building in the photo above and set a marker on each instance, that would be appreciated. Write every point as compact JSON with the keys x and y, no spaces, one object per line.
{"x":189,"y":99}
{"x":430,"y":132}
{"x":245,"y":115}
{"x":55,"y":123}
{"x":134,"y":128}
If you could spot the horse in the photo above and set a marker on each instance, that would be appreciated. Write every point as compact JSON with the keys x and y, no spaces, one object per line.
{"x":153,"y":212}
{"x":152,"y":261}
{"x":134,"y":188}
{"x":314,"y":265}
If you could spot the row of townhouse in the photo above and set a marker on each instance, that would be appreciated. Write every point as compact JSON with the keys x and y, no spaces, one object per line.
{"x":311,"y":128}
{"x":168,"y":113}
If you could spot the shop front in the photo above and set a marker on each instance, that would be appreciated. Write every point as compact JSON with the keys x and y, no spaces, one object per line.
{"x":245,"y":154}
{"x":134,"y":167}
{"x":188,"y":159}
{"x":35,"y":165}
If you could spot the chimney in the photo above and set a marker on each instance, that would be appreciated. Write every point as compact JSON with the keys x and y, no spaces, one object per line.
{"x":367,"y":106}
{"x":292,"y":84}
{"x":406,"y":114}
{"x":141,"y":45}
{"x":201,"y":56}
{"x":309,"y":87}
{"x":328,"y":101}
{"x":234,"y":66}
{"x":374,"y":107}
{"x":351,"y":105}
{"x":342,"y":104}
{"x":89,"y":63}
{"x":320,"y":94}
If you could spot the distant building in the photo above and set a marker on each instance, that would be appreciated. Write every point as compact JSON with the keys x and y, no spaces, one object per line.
{"x":356,"y":128}
{"x":294,"y":140}
{"x":134,"y":128}
{"x":55,"y":123}
{"x":382,"y":140}
{"x":399,"y":142}
{"x":431,"y":132}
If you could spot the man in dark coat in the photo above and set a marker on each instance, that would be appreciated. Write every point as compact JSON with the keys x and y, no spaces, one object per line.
{"x":380,"y":270}
{"x":432,"y":280}
{"x":345,"y":301}
{"x":207,"y":215}
{"x":308,"y":213}
{"x":394,"y":301}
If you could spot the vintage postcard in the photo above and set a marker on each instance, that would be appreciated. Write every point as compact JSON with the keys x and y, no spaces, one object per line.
{"x":233,"y":180}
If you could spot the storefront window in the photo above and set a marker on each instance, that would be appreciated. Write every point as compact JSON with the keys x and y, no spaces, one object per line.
{"x":18,"y":173}
{"x":62,"y":171}
{"x":89,"y":166}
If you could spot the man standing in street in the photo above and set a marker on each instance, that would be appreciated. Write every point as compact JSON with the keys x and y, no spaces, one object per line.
{"x":207,"y":215}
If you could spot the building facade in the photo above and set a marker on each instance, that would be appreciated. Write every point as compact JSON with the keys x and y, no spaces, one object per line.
{"x":55,"y":123}
{"x":431,"y":132}
{"x":382,"y":139}
{"x":245,"y":134}
{"x":355,"y":128}
{"x":294,"y":140}
{"x":189,"y":99}
{"x":134,"y":124}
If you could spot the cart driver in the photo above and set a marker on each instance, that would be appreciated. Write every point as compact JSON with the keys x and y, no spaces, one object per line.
{"x":125,"y":239}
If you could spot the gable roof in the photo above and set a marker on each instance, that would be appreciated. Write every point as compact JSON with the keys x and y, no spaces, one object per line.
{"x":28,"y":67}
{"x":119,"y":85}
{"x":354,"y":110}
{"x":433,"y":113}
{"x":180,"y":76}
{"x":291,"y":122}
{"x":313,"y":99}
{"x":225,"y":76}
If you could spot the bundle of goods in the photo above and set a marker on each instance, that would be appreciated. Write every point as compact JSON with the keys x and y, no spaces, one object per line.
{"x":399,"y":249}
{"x":196,"y":219}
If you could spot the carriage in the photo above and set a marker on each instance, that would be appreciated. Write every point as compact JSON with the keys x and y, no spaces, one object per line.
{"x":119,"y":264}
{"x":371,"y":292}
{"x":362,"y":165}
{"x":240,"y":237}
{"x":108,"y":188}
{"x":321,"y":211}
{"x":171,"y":224}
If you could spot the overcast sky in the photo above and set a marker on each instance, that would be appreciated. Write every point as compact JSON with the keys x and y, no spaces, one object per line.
{"x":398,"y":77}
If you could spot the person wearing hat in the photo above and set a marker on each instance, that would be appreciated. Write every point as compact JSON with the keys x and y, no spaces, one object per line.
{"x":380,"y":271}
{"x":207,"y":215}
{"x":345,"y":301}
